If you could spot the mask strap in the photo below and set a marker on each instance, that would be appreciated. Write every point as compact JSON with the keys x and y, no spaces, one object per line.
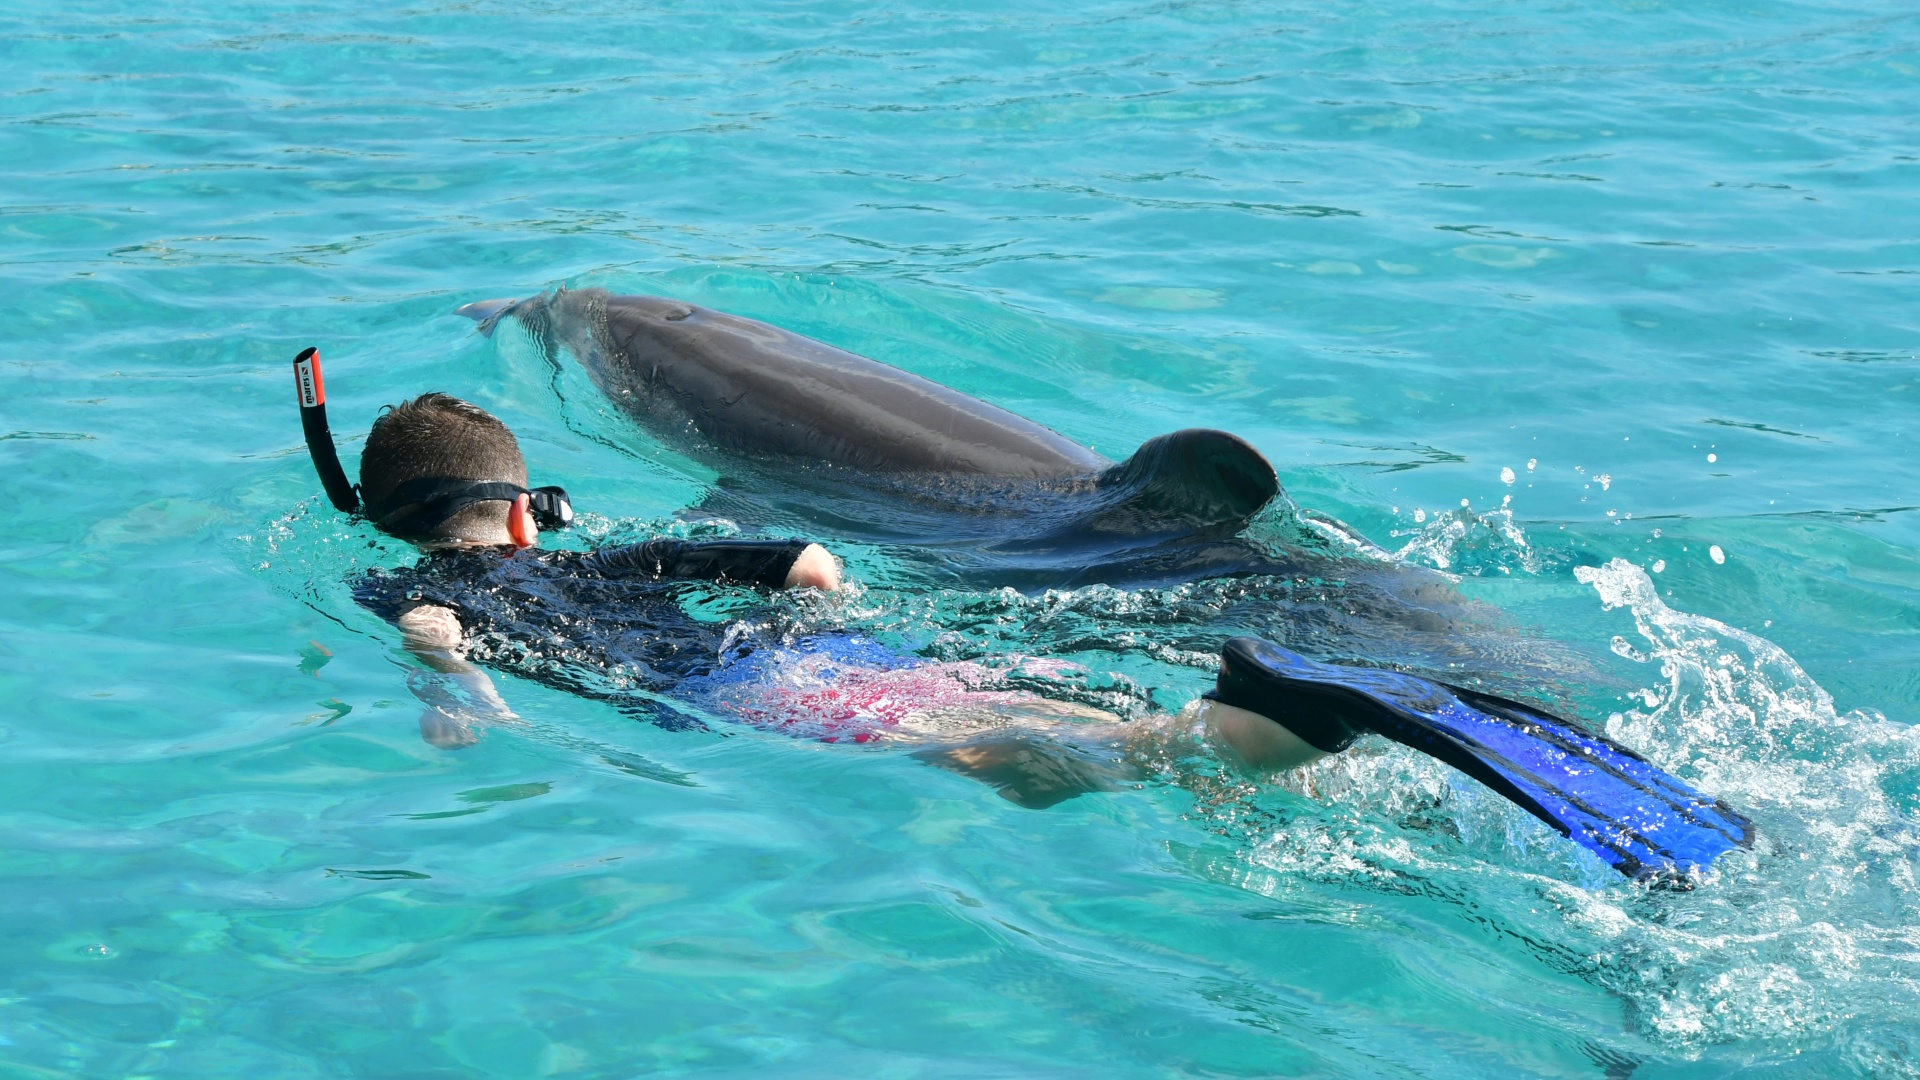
{"x":418,"y":505}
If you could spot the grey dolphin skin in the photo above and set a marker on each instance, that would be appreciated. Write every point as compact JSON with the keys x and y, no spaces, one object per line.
{"x":737,"y":393}
{"x":752,"y":388}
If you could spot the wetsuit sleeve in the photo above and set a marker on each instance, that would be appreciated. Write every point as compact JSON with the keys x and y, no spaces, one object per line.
{"x":742,"y":562}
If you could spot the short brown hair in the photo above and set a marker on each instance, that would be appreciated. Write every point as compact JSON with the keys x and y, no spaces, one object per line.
{"x":439,"y":436}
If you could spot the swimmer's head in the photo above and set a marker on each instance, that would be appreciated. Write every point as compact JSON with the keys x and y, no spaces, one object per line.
{"x":439,"y":437}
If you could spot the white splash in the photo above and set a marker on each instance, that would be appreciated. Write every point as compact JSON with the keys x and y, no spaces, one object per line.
{"x":1466,"y":542}
{"x":1813,"y":930}
{"x":1815,"y":934}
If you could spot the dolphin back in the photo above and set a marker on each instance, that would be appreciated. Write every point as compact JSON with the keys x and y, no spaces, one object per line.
{"x":694,"y":375}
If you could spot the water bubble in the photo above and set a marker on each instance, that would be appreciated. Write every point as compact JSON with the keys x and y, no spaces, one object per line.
{"x":1531,"y":462}
{"x":1606,"y":480}
{"x":1711,"y":458}
{"x":1506,"y":475}
{"x":1623,"y":648}
{"x":1419,"y":515}
{"x":1719,"y":557}
{"x":1659,"y":565}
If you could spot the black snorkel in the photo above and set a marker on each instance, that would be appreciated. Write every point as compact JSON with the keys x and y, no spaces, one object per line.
{"x":416,"y":507}
{"x":313,"y":422}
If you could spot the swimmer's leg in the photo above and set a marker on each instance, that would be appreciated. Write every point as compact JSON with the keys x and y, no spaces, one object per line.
{"x":1029,"y":770}
{"x":1609,"y":800}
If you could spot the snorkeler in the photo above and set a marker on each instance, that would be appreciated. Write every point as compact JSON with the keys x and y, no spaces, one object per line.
{"x":449,"y":476}
{"x":613,"y":624}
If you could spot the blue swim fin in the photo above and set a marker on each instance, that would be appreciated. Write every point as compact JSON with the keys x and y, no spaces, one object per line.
{"x":1645,"y":823}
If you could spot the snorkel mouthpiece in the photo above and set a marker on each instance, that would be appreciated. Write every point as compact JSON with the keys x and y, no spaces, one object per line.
{"x":414,"y":509}
{"x":521,"y":528}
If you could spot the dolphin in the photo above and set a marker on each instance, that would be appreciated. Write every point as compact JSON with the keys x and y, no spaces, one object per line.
{"x":811,"y":438}
{"x":880,"y":453}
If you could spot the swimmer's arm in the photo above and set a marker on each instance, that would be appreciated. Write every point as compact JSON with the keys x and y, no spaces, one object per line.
{"x":432,"y":634}
{"x":776,"y":564}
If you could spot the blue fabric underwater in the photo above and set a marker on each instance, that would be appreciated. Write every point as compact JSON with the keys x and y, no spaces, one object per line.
{"x":1582,"y":335}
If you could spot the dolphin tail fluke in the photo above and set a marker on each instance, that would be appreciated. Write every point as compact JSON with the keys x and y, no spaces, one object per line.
{"x":487,"y":312}
{"x":1188,"y":479}
{"x":1643,"y":821}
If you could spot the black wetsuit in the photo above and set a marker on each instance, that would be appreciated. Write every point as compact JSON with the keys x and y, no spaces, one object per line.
{"x":604,"y":623}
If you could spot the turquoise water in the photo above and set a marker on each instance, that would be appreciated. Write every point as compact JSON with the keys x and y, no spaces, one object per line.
{"x":1653,"y":261}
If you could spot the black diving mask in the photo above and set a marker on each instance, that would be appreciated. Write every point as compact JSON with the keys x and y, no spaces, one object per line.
{"x":414,"y":509}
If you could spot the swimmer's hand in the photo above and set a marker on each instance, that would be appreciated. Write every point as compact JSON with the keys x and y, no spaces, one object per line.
{"x":429,"y":627}
{"x":816,"y":568}
{"x":457,"y":696}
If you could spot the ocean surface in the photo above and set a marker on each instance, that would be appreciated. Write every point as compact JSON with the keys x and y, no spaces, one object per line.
{"x":1608,"y":310}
